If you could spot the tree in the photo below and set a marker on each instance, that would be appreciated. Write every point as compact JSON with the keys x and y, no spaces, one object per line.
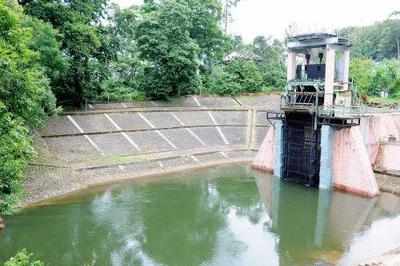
{"x":362,"y":74}
{"x":81,"y":38}
{"x":270,"y":61}
{"x":228,"y":5}
{"x":25,"y":99}
{"x":171,"y":55}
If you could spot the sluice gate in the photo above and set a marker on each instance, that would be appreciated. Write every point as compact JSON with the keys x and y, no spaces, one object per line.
{"x":301,"y":149}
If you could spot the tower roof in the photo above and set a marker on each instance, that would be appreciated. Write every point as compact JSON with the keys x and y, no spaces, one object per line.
{"x":316,"y":40}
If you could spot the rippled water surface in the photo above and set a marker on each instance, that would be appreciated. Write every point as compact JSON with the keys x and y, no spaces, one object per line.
{"x":221,"y":216}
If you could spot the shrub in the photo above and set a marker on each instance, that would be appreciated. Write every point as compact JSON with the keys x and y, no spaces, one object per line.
{"x":15,"y":152}
{"x":23,"y":258}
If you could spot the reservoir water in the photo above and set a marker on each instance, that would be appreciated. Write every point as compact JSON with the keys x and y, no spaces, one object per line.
{"x":228,"y":215}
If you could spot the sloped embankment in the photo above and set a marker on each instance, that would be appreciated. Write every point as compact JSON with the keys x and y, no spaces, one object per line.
{"x":111,"y":142}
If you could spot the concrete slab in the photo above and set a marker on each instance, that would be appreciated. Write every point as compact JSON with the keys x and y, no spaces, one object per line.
{"x":209,"y":135}
{"x":230,"y":117}
{"x":129,"y":121}
{"x":270,"y":102}
{"x":150,"y":141}
{"x":235,"y":135}
{"x":59,"y":125}
{"x":194,"y":118}
{"x":71,"y":149}
{"x":260,"y":132}
{"x":162,"y":119}
{"x":93,"y":123}
{"x":217,"y":101}
{"x":261,"y":118}
{"x":113,"y":144}
{"x":181,"y":138}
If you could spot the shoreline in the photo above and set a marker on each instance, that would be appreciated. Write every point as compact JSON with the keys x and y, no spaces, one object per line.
{"x":47,"y":197}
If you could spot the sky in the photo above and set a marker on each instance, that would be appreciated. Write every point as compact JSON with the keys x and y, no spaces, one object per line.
{"x":271,"y":18}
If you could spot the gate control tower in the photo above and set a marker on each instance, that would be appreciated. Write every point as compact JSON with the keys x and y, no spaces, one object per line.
{"x":318,"y":99}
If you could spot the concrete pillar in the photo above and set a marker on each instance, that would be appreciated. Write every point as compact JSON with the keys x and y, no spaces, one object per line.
{"x":325,"y":172}
{"x":278,"y":149}
{"x":291,"y":67}
{"x":329,"y":75}
{"x":346,"y":70}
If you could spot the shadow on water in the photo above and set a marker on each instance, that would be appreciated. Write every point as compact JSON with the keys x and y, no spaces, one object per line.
{"x":218,"y":216}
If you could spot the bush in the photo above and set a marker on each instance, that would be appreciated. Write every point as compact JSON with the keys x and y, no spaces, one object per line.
{"x":23,"y":258}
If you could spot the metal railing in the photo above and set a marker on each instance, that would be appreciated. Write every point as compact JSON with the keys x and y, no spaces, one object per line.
{"x":293,"y":98}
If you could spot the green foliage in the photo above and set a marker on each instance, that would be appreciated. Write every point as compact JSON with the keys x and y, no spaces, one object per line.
{"x":362,"y":73}
{"x":23,"y":258}
{"x":270,"y":61}
{"x":25,"y":98}
{"x":164,"y":42}
{"x":372,"y":78}
{"x":378,"y":41}
{"x":237,"y":76}
{"x":83,"y":42}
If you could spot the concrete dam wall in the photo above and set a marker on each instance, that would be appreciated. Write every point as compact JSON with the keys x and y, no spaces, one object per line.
{"x":348,"y":155}
{"x":122,"y":140}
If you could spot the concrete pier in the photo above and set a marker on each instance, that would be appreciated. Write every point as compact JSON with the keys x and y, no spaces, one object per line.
{"x":326,"y":176}
{"x":278,"y":151}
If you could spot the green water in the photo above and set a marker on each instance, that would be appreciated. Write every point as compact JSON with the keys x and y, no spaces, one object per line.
{"x":220,"y":216}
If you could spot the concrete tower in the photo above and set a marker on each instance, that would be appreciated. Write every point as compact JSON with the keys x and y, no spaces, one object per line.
{"x":316,"y":134}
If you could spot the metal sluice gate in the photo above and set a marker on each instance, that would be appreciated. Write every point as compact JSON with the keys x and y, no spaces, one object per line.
{"x":301,"y":147}
{"x":301,"y":152}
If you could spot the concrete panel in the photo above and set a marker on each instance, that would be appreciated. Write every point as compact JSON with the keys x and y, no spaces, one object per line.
{"x":113,"y":144}
{"x":194,"y":118}
{"x":217,"y":101}
{"x":161,"y":119}
{"x":93,"y":123}
{"x":230,"y":117}
{"x":58,"y":125}
{"x":270,"y":102}
{"x":261,"y":119}
{"x":129,"y":121}
{"x":149,"y":141}
{"x":72,"y":148}
{"x":181,"y":138}
{"x":235,"y":135}
{"x":260,"y":132}
{"x":209,"y":135}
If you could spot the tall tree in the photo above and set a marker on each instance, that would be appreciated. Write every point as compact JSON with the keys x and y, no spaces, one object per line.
{"x":81,"y":38}
{"x":227,"y":18}
{"x":172,"y":56}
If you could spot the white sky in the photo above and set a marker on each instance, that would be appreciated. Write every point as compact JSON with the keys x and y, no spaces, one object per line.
{"x":271,"y":18}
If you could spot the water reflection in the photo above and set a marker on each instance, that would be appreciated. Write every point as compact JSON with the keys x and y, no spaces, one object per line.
{"x":320,"y":225}
{"x":221,"y":216}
